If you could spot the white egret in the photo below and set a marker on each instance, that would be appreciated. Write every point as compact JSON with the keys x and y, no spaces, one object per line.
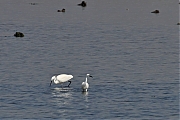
{"x":61,"y":79}
{"x":85,"y":84}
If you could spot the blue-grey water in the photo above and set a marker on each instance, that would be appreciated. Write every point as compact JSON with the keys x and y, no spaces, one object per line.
{"x":132,"y":54}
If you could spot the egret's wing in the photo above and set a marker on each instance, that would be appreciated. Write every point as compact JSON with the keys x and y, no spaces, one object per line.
{"x":64,"y":77}
{"x":85,"y":85}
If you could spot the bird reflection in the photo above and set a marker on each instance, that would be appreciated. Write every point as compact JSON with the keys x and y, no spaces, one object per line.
{"x":85,"y":94}
{"x":61,"y":96}
{"x":62,"y":99}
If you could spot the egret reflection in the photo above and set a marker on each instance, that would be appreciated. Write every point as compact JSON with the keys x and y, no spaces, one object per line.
{"x":61,"y":96}
{"x":85,"y":94}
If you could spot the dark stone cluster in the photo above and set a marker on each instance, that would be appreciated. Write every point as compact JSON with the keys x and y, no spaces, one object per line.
{"x":19,"y":34}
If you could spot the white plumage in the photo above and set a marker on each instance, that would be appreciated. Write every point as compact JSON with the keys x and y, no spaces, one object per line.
{"x":61,"y":79}
{"x":85,"y":84}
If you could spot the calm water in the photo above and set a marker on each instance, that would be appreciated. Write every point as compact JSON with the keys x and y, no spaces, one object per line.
{"x":131,"y":53}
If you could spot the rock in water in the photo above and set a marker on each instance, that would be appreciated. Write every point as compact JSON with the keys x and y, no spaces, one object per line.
{"x":63,"y":10}
{"x":19,"y":34}
{"x":156,"y":11}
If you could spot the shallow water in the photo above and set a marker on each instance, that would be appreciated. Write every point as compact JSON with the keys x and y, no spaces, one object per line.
{"x":131,"y":53}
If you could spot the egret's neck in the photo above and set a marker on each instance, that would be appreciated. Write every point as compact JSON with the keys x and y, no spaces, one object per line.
{"x":86,"y":80}
{"x":55,"y":79}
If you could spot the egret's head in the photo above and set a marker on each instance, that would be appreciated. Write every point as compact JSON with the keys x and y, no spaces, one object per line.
{"x":89,"y":75}
{"x":53,"y":78}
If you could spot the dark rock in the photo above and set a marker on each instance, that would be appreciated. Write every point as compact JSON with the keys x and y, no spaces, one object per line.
{"x":19,"y":34}
{"x":178,"y":23}
{"x":156,"y":11}
{"x":63,"y":10}
{"x":33,"y":3}
{"x":83,"y":4}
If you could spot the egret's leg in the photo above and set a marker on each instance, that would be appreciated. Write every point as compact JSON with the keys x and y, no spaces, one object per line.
{"x":85,"y":90}
{"x":69,"y":83}
{"x":50,"y":84}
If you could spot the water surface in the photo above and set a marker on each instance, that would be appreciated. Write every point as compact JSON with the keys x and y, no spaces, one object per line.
{"x":131,"y":53}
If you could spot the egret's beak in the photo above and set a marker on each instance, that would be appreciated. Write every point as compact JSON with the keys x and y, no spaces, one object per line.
{"x":50,"y":83}
{"x":91,"y":76}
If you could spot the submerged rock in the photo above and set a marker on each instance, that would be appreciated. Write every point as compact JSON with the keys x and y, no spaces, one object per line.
{"x":83,"y":4}
{"x":156,"y":11}
{"x":19,"y":34}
